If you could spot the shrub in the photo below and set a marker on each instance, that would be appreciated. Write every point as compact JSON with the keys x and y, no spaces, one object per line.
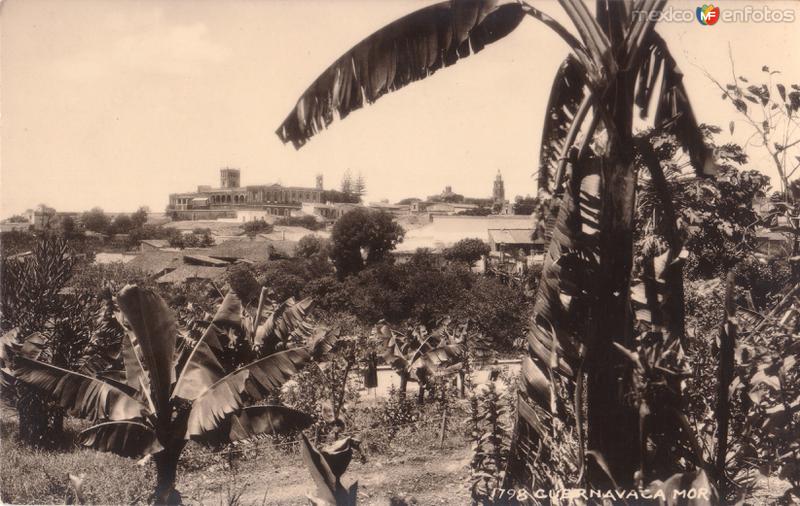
{"x":308,"y":222}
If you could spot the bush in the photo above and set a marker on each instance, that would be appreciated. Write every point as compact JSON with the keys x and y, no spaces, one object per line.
{"x":243,"y":282}
{"x":308,"y":222}
{"x":253,"y":228}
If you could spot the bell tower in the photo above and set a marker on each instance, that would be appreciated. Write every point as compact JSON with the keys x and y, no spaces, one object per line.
{"x":229,"y":178}
{"x":499,"y":191}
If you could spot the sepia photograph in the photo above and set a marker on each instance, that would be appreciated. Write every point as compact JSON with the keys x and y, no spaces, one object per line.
{"x":400,"y":252}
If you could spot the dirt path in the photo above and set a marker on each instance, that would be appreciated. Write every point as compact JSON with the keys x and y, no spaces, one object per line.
{"x":435,"y":477}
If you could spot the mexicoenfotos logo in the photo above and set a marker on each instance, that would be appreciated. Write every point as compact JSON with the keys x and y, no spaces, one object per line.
{"x":707,"y":14}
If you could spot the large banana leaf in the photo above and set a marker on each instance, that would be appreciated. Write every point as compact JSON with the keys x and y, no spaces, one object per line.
{"x":154,"y":331}
{"x":81,"y":396}
{"x":673,"y":111}
{"x":126,"y":438}
{"x":407,"y":50}
{"x":569,"y":272}
{"x":287,"y":322}
{"x":257,"y":379}
{"x":566,"y":95}
{"x":273,"y":420}
{"x":202,"y":368}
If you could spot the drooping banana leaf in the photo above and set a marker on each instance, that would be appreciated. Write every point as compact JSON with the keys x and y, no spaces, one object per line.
{"x":256,"y":420}
{"x":566,"y":95}
{"x":673,"y":111}
{"x":81,"y":396}
{"x":288,"y":322}
{"x":407,"y":50}
{"x":569,"y":272}
{"x":126,"y":438}
{"x":154,"y":330}
{"x":326,"y":468}
{"x":257,"y":379}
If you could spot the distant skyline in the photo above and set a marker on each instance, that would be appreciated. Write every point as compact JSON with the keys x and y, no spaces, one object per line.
{"x":118,"y":103}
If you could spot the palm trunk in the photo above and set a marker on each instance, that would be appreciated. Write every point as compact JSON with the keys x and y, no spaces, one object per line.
{"x":611,"y":418}
{"x":167,"y":474}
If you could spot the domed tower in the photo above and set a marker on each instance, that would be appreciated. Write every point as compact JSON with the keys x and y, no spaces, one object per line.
{"x":499,"y":190}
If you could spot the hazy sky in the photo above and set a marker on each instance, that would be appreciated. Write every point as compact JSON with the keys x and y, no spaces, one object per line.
{"x":118,"y":103}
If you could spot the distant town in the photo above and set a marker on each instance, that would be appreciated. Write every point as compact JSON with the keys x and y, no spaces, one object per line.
{"x":215,"y":226}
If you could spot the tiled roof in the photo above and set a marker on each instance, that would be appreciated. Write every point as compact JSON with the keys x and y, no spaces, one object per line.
{"x":512,"y":236}
{"x":186,"y":272}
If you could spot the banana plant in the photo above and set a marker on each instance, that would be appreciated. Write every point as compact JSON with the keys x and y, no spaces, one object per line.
{"x":327,"y":465}
{"x":420,"y":355}
{"x":617,"y":68}
{"x":167,"y":399}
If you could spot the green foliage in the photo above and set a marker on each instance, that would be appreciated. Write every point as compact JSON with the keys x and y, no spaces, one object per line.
{"x":478,"y":211}
{"x":310,"y":246}
{"x":242,"y":281}
{"x":17,"y":218}
{"x":716,"y":215}
{"x":491,"y":450}
{"x":362,"y":237}
{"x":96,"y":220}
{"x":255,"y":227}
{"x":338,"y":197}
{"x":198,"y":238}
{"x":468,"y":250}
{"x":306,"y":221}
{"x":35,"y":476}
{"x":526,"y":205}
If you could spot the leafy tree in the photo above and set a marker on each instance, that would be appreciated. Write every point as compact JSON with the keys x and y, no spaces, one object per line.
{"x":139,"y":218}
{"x":168,"y":397}
{"x":772,"y":120}
{"x":96,"y":220}
{"x":255,"y":227}
{"x":243,"y":282}
{"x":17,"y":218}
{"x":337,"y":197}
{"x":346,"y":186}
{"x":360,"y":186}
{"x":361,"y":231}
{"x":468,"y":250}
{"x":526,"y":205}
{"x":588,"y":163}
{"x":122,"y":224}
{"x":68,"y":227}
{"x":311,"y":245}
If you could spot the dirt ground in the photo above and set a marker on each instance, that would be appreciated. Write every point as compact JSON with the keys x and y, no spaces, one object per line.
{"x":434,"y":477}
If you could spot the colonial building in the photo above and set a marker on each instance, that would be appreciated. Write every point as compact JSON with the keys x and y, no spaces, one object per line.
{"x":230,"y":197}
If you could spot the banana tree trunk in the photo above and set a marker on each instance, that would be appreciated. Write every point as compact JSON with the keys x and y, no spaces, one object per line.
{"x":612,"y":418}
{"x":167,"y":473}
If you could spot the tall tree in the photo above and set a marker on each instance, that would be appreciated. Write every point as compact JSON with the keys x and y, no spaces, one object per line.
{"x":360,"y":186}
{"x":362,"y":237}
{"x":618,"y":66}
{"x":347,"y":183}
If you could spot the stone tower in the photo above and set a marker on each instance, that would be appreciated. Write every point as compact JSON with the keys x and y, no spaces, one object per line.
{"x":229,"y":178}
{"x":499,"y":190}
{"x":319,"y":182}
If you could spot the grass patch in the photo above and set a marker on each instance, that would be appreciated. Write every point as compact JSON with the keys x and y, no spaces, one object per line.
{"x":33,"y":476}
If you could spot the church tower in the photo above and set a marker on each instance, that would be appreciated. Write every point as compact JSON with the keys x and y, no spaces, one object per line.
{"x":319,"y":182}
{"x":499,"y":191}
